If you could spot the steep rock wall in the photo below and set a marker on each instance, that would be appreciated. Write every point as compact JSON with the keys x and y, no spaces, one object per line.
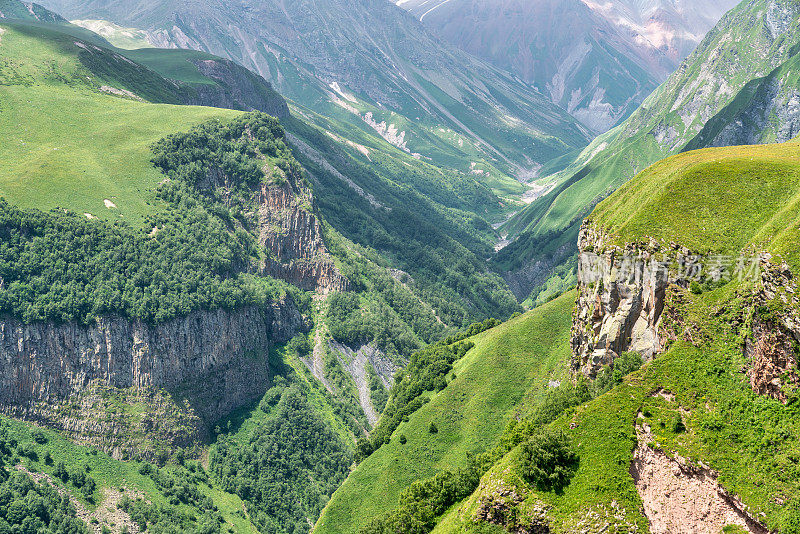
{"x":291,"y":234}
{"x":619,"y":304}
{"x":237,"y":88}
{"x":217,"y":360}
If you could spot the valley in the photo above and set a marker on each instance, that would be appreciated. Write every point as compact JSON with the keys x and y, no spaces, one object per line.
{"x":358,"y":266}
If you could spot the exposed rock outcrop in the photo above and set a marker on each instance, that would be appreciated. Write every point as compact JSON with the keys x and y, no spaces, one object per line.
{"x":215,"y":360}
{"x":681,"y":498}
{"x":622,"y":302}
{"x":291,"y":234}
{"x":772,"y":351}
{"x":619,"y":304}
{"x":355,"y":361}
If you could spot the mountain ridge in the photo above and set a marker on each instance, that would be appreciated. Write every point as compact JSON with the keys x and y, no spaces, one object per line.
{"x":668,"y":121}
{"x":597,"y":61}
{"x":389,"y":60}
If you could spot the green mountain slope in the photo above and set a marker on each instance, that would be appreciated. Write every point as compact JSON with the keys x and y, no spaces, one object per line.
{"x":374,"y":61}
{"x":66,"y":131}
{"x":754,"y":41}
{"x":722,"y":200}
{"x":702,"y":419}
{"x":121,"y":495}
{"x":14,"y":9}
{"x":698,"y":405}
{"x":504,"y":375}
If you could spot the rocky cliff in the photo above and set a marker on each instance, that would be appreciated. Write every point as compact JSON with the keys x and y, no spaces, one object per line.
{"x":619,"y":304}
{"x":291,"y":235}
{"x":623,"y":300}
{"x":236,"y":88}
{"x":211,"y":362}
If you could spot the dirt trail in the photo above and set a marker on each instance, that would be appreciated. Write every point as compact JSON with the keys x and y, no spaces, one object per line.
{"x":680,"y":498}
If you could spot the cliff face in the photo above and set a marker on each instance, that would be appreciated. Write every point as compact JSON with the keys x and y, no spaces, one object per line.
{"x":622,"y":303}
{"x":291,"y":234}
{"x":775,"y":334}
{"x":213,"y":361}
{"x":619,"y":305}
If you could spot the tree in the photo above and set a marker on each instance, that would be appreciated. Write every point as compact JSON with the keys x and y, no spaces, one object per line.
{"x":548,"y":460}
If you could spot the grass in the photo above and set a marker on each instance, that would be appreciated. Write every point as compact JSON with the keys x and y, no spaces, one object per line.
{"x":172,"y":63}
{"x":720,"y":200}
{"x":750,"y":441}
{"x":67,"y":145}
{"x":503,"y":376}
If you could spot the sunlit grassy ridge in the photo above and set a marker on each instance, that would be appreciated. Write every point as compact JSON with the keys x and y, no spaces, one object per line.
{"x":719,"y":200}
{"x":65,"y":143}
{"x":503,"y":376}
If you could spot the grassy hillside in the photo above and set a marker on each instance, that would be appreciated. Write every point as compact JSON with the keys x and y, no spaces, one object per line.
{"x":185,"y":503}
{"x":713,"y":201}
{"x":718,"y":200}
{"x":750,"y":441}
{"x":504,"y":376}
{"x":67,"y":143}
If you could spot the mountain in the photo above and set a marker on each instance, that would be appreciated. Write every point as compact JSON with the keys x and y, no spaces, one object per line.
{"x":376,"y":63}
{"x":739,"y":85}
{"x":505,"y":375}
{"x":682,"y":363}
{"x":14,"y":9}
{"x":596,"y":60}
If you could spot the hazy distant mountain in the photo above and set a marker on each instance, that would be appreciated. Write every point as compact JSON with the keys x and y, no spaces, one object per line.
{"x":597,"y":59}
{"x":311,"y":49}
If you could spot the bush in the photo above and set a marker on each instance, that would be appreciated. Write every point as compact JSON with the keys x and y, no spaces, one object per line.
{"x":548,"y":460}
{"x":286,"y":468}
{"x":300,"y":345}
{"x":612,"y":375}
{"x":432,"y":429}
{"x":677,"y":424}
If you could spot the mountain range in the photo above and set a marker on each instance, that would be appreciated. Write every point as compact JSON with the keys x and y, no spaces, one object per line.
{"x":597,"y":60}
{"x":356,"y":266}
{"x":747,"y":93}
{"x":376,"y":60}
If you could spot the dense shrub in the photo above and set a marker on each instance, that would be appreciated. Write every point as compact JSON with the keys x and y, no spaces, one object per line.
{"x":28,"y":506}
{"x":377,"y":391}
{"x":354,"y":322}
{"x":548,"y":460}
{"x":611,"y":375}
{"x":60,"y":266}
{"x":424,"y":500}
{"x":286,"y":468}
